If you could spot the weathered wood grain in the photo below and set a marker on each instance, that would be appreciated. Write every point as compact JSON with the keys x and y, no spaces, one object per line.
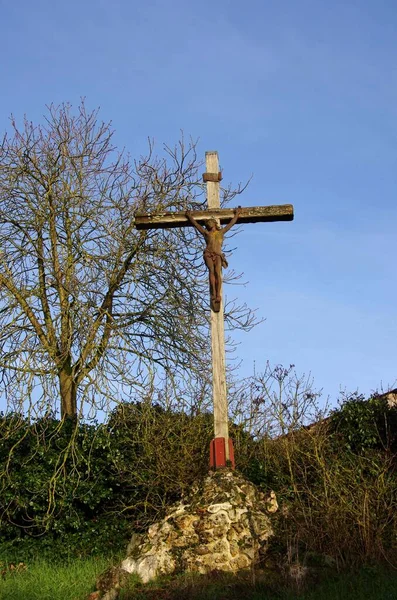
{"x":253,"y":214}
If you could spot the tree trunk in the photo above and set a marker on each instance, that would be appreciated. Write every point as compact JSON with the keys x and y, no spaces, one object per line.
{"x":68,"y":391}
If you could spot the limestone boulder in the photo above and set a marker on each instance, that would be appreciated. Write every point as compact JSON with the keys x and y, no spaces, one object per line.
{"x":223,"y":524}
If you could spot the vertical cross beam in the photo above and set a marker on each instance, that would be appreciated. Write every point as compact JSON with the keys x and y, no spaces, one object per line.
{"x":219,"y":390}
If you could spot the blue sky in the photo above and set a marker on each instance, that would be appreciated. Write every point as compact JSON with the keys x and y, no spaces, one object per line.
{"x":301,"y":95}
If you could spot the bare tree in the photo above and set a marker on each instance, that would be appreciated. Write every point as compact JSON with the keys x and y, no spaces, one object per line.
{"x":89,"y":307}
{"x":276,"y":402}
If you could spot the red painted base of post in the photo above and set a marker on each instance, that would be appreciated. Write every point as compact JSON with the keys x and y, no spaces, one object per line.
{"x":218,"y":454}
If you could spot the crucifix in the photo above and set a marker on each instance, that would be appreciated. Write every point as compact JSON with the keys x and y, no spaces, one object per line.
{"x":221,"y":449}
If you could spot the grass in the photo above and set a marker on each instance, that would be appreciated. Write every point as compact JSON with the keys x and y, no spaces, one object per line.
{"x":366,"y":585}
{"x":41,"y":580}
{"x":75,"y":579}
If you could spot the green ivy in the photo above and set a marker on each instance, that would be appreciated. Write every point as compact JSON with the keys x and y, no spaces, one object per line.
{"x":360,"y":424}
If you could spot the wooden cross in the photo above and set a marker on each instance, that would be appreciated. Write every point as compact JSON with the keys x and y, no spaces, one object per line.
{"x":221,"y":450}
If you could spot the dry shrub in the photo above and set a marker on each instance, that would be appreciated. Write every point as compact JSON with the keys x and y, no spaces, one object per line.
{"x":159,"y":453}
{"x":335,"y":502}
{"x":336,"y":480}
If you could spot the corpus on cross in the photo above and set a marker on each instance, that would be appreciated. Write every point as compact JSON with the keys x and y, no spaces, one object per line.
{"x":213,"y":255}
{"x":221,"y":449}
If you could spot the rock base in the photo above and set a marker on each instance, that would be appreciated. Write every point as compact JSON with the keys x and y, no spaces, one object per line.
{"x":222,"y":525}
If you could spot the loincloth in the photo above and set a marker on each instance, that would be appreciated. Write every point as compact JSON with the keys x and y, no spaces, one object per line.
{"x":214,"y":255}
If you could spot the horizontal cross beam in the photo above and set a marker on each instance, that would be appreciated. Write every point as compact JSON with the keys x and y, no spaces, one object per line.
{"x":254,"y":214}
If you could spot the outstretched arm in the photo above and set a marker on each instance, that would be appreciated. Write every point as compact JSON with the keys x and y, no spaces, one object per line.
{"x":237,"y":213}
{"x":193,"y":221}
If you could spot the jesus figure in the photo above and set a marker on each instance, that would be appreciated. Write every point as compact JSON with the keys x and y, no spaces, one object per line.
{"x":213,"y":255}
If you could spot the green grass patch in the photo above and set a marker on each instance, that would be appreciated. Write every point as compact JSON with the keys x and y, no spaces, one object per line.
{"x":75,"y":579}
{"x":42,"y":580}
{"x":368,"y":584}
{"x":372,"y":584}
